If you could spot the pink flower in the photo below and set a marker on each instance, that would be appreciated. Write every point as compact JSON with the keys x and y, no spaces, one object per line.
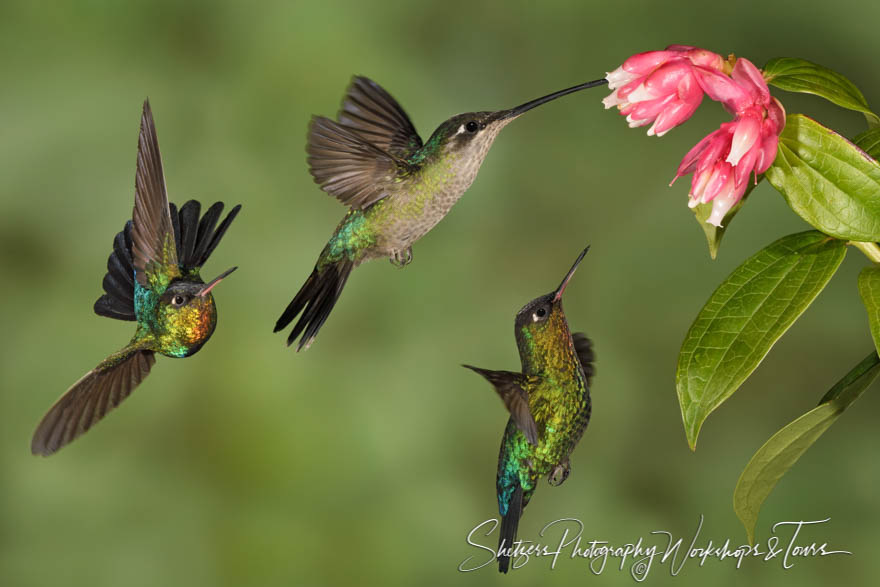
{"x":723,"y":161}
{"x":661,"y":87}
{"x":743,"y":88}
{"x":666,"y":87}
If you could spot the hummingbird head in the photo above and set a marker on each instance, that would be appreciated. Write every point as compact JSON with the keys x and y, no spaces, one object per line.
{"x":187,"y":316}
{"x":469,"y":136}
{"x":540,"y":327}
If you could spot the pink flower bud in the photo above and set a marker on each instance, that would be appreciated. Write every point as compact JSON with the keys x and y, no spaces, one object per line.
{"x":749,"y":77}
{"x":745,"y":135}
{"x":743,"y":89}
{"x":723,"y":162}
{"x":664,"y":88}
{"x":724,"y":89}
{"x":660,"y":87}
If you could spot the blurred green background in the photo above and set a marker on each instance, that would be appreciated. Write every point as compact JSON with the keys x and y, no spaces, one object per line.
{"x":370,"y":457}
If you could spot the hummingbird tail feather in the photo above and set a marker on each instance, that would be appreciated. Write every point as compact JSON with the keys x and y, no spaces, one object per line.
{"x":509,"y":524}
{"x":315,"y":300}
{"x":118,"y":301}
{"x":197,"y":236}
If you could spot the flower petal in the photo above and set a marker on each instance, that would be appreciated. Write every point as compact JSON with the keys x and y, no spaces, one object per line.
{"x":612,"y":100}
{"x":689,"y":161}
{"x":644,"y":63}
{"x":667,"y":78}
{"x":650,"y":109}
{"x":717,"y":149}
{"x":776,"y":113}
{"x":698,"y":186}
{"x":641,"y":93}
{"x":723,"y":89}
{"x":705,"y":58}
{"x":721,"y":176}
{"x":768,"y":153}
{"x":747,"y":164}
{"x":619,"y":77}
{"x":726,"y":199}
{"x":750,"y":78}
{"x":672,"y":116}
{"x":748,"y":130}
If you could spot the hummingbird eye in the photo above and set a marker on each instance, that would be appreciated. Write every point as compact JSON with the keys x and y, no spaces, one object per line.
{"x":178,"y":301}
{"x":539,"y":314}
{"x":472,"y":126}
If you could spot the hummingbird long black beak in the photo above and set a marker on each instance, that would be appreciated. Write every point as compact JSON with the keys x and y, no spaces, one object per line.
{"x":561,"y":288}
{"x":514,"y":112}
{"x":210,"y":285}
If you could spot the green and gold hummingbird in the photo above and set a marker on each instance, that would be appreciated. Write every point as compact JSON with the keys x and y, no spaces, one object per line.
{"x":549,"y":405}
{"x":397,"y":188}
{"x":152,"y":279}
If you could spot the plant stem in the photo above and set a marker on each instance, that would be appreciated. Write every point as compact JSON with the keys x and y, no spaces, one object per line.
{"x":871,"y":250}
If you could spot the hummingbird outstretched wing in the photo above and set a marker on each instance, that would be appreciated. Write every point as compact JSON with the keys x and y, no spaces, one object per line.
{"x":89,"y":399}
{"x":356,"y":157}
{"x":152,"y":235}
{"x":510,"y":387}
{"x":375,"y":115}
{"x":347,"y":167}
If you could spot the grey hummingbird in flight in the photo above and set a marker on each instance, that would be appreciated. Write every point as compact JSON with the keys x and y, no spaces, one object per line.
{"x":397,"y":188}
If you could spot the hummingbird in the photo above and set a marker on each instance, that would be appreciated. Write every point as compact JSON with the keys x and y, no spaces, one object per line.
{"x":152,"y":279}
{"x":397,"y":188}
{"x":549,"y":405}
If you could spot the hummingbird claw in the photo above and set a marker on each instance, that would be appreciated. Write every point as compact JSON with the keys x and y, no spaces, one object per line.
{"x":401,"y":259}
{"x":559,"y":473}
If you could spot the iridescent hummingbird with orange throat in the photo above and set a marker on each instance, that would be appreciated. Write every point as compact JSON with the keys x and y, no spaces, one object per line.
{"x":153,"y":280}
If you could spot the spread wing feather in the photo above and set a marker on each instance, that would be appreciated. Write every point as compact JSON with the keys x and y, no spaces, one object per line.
{"x":509,"y":386}
{"x":375,"y":115}
{"x":365,"y":149}
{"x":152,"y":235}
{"x":346,"y":166}
{"x":91,"y":398}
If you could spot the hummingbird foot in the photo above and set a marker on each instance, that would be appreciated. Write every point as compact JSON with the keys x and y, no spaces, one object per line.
{"x":401,"y":259}
{"x":559,"y":473}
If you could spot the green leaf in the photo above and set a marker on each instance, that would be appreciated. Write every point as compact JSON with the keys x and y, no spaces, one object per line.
{"x":869,"y":142}
{"x":869,"y":289}
{"x":785,"y":447}
{"x":745,"y":316}
{"x":799,"y":75}
{"x":827,"y":181}
{"x":713,"y":233}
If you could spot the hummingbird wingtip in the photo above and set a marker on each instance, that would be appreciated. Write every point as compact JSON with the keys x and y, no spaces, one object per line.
{"x":39,"y":447}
